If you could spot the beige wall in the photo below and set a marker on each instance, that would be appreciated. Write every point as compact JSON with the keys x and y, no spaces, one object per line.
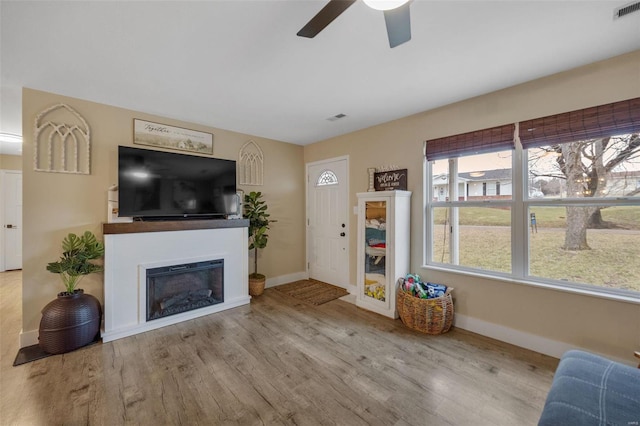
{"x":56,"y":204}
{"x":10,"y":162}
{"x":604,"y":326}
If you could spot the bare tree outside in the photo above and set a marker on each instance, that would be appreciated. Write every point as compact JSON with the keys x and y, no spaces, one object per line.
{"x":597,"y":168}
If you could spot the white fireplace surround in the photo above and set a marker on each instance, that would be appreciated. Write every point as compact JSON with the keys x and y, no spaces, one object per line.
{"x":129,"y":255}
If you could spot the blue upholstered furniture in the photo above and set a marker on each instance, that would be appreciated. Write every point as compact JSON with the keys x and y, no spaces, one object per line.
{"x":588,"y":389}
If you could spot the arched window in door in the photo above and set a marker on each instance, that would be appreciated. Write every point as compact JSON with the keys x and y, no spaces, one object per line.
{"x":327,"y":177}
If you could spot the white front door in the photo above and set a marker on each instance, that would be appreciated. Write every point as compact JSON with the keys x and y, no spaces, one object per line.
{"x":12,"y":218}
{"x":327,"y":221}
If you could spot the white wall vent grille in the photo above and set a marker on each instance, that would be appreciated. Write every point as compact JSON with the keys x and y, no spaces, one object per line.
{"x":625,"y":10}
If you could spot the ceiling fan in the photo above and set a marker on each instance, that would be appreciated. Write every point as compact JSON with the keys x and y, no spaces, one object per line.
{"x":396,"y":16}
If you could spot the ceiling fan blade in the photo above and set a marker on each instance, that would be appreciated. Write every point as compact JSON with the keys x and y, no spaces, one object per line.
{"x":331,"y":11}
{"x":398,"y":25}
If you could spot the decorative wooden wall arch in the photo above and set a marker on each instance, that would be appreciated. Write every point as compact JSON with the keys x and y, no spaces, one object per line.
{"x":251,"y":164}
{"x":62,"y":141}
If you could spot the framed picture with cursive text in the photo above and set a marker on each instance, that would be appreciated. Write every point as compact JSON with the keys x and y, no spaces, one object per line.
{"x":390,"y":180}
{"x":171,"y":137}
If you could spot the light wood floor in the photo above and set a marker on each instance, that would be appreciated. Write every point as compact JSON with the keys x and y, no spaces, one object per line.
{"x":277,"y":361}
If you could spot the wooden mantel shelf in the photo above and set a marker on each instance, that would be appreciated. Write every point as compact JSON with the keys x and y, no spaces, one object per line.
{"x":176,"y":225}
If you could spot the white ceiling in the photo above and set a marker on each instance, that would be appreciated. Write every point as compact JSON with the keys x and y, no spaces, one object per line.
{"x":238,"y":65}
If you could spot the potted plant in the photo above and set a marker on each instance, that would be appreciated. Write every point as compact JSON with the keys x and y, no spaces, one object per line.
{"x":73,"y":319}
{"x":255,"y":209}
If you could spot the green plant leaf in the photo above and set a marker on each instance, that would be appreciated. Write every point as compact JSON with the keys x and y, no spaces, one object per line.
{"x":255,"y":209}
{"x":71,"y":243}
{"x":74,"y":262}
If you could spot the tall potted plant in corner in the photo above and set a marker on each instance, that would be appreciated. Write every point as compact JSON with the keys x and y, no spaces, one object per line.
{"x":73,"y":319}
{"x":255,"y":209}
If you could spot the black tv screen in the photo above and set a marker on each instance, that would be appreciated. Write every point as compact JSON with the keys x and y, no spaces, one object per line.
{"x":157,"y":184}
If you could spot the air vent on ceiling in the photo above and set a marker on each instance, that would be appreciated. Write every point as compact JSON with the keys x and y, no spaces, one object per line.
{"x":625,"y":10}
{"x":337,"y":117}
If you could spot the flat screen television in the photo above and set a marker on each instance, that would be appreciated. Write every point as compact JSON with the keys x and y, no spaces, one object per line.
{"x":164,"y":185}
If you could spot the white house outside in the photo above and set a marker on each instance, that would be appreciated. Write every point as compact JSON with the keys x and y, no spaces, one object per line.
{"x":497,"y":184}
{"x":477,"y":185}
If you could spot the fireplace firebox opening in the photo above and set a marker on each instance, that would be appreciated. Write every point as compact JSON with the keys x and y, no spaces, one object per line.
{"x":180,"y":288}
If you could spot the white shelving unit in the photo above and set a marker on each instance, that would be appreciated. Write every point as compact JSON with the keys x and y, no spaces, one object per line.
{"x":383,"y":248}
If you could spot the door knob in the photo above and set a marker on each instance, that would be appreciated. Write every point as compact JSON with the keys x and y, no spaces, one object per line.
{"x":342,"y":234}
{"x":10,"y":226}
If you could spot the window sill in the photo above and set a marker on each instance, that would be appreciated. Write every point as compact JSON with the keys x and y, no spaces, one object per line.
{"x":566,"y":289}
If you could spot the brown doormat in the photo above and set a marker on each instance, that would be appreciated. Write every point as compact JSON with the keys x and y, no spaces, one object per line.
{"x":312,"y":291}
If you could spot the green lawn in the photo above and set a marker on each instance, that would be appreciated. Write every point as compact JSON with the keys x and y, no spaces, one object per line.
{"x":485,"y":243}
{"x":627,"y":217}
{"x":611,"y":262}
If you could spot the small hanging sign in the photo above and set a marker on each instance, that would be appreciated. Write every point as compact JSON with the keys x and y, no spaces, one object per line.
{"x":391,"y":180}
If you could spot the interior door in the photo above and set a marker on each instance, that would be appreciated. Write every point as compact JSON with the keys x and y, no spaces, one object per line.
{"x":327,"y":224}
{"x":12,"y":215}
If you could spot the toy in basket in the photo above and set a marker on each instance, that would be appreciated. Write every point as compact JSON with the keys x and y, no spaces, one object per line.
{"x":424,"y":307}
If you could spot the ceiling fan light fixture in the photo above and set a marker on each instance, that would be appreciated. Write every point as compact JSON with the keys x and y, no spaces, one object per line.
{"x":384,"y":4}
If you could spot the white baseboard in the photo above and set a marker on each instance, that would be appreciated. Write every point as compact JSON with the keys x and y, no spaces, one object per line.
{"x":284,"y":279}
{"x":349,"y":298}
{"x":28,"y":338}
{"x":523,"y":339}
{"x":352,"y":289}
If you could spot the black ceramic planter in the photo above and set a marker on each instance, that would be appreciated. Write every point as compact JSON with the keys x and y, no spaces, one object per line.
{"x":70,"y":322}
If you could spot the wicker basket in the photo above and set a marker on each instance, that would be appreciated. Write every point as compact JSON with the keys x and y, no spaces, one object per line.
{"x":431,"y":316}
{"x":256,"y":286}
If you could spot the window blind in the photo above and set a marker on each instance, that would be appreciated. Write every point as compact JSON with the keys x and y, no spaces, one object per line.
{"x":617,"y":118}
{"x":478,"y":142}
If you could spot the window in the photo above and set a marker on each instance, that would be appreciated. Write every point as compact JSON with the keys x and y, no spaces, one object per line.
{"x":567,"y":214}
{"x":472,"y":230}
{"x":327,"y":177}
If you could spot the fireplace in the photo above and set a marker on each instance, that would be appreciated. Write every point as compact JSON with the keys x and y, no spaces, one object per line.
{"x":132,"y":249}
{"x":181,"y":288}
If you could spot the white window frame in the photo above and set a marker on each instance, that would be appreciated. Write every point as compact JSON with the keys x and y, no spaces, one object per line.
{"x":454,"y":202}
{"x":519,"y":204}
